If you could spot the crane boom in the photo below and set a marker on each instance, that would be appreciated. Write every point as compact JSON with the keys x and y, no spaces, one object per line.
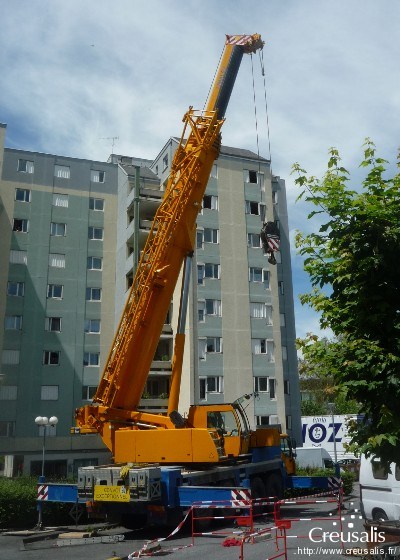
{"x":170,"y":240}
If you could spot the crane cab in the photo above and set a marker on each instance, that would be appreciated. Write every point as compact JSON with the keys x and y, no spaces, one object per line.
{"x":228,"y":421}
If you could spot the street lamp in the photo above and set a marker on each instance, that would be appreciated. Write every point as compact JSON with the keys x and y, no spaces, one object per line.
{"x":43,"y":422}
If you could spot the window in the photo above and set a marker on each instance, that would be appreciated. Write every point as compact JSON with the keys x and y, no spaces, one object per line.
{"x":213,"y":307}
{"x":18,"y":257}
{"x":96,"y":204}
{"x":95,"y":233}
{"x":259,"y":275}
{"x":60,"y":200}
{"x":20,"y":225}
{"x":58,"y":230}
{"x":211,"y":235}
{"x":93,"y":294}
{"x":91,"y":359}
{"x":49,"y":393}
{"x":213,"y":384}
{"x":8,"y":392}
{"x":15,"y":289}
{"x":281,"y":287}
{"x":62,"y":171}
{"x":7,"y":428}
{"x":211,"y":270}
{"x":263,"y":346}
{"x":56,"y":260}
{"x":261,"y":311}
{"x":97,"y":176}
{"x":282,"y":319}
{"x":88,"y":392}
{"x":262,"y":420}
{"x":165,"y":162}
{"x":94,"y":263}
{"x":92,"y":326}
{"x":250,"y":176}
{"x":199,"y":239}
{"x":25,"y":166}
{"x":272,"y":387}
{"x":252,"y":207}
{"x":284,"y":352}
{"x":288,"y":422}
{"x":53,"y":324}
{"x":23,"y":195}
{"x":207,"y":270}
{"x":210,"y":202}
{"x":214,"y":345}
{"x":55,"y":291}
{"x":254,"y":240}
{"x":286,"y":386}
{"x":13,"y":322}
{"x":261,"y":384}
{"x":201,"y":311}
{"x":378,"y":471}
{"x":274,"y":197}
{"x":214,"y":171}
{"x":51,"y":358}
{"x":10,"y":357}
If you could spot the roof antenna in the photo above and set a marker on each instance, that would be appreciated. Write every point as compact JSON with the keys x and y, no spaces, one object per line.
{"x":113,"y":139}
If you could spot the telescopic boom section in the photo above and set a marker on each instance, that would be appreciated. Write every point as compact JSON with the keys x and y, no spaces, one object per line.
{"x":170,"y":240}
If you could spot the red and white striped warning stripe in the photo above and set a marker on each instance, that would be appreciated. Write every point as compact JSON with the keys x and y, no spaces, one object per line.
{"x":238,"y":39}
{"x":240,"y":498}
{"x":273,"y":243}
{"x":42,"y":492}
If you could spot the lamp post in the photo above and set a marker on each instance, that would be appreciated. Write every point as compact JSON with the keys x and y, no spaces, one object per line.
{"x":331,"y":408}
{"x":43,"y":422}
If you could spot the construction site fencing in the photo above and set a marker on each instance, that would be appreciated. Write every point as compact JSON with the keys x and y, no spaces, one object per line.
{"x":242,"y":513}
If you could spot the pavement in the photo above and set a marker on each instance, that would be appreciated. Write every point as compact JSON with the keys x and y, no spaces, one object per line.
{"x":312,"y":529}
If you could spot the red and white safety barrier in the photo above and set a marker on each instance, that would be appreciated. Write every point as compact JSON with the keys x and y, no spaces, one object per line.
{"x":42,"y":492}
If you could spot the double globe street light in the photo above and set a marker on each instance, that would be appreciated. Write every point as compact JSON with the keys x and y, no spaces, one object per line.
{"x":43,"y":422}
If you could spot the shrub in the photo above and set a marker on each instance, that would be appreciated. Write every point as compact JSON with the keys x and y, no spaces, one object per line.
{"x":348,"y":479}
{"x":18,"y":505}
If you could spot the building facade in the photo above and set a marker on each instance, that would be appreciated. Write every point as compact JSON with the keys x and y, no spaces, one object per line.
{"x":72,"y":231}
{"x":57,"y":277}
{"x":240,"y":329}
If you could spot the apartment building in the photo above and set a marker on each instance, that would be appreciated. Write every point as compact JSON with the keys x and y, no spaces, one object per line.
{"x":57,"y":276}
{"x":72,"y":231}
{"x":240,"y":329}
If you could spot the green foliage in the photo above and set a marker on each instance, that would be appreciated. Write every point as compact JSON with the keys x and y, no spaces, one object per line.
{"x":18,"y":505}
{"x":317,"y":378}
{"x":310,"y":407}
{"x":347,"y":477}
{"x":353,"y":262}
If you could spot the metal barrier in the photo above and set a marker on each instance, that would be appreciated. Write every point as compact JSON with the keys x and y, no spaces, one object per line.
{"x":280,"y":535}
{"x":335,"y":498}
{"x":242,"y":519}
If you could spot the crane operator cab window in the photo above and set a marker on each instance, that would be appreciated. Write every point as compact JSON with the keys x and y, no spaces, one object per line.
{"x":224,"y":422}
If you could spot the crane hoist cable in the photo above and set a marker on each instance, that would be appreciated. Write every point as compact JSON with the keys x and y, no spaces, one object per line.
{"x":261,"y":56}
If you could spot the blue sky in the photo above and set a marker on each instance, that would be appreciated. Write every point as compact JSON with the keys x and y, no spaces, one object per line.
{"x":74,"y":73}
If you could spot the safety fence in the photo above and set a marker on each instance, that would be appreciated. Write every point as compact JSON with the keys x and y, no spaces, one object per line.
{"x":244,"y":514}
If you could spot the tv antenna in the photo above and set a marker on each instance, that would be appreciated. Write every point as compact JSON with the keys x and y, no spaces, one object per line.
{"x":113,"y":140}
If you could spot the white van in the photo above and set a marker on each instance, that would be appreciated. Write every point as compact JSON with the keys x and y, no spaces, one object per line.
{"x":316,"y":457}
{"x":379,"y":490}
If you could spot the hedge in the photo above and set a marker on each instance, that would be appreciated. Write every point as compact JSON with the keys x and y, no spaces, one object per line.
{"x":18,"y":505}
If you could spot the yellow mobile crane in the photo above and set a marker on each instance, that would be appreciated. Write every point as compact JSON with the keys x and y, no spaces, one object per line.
{"x":210,"y":433}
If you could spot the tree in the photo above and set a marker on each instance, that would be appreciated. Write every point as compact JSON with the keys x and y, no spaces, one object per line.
{"x":353,"y":261}
{"x":317,"y":379}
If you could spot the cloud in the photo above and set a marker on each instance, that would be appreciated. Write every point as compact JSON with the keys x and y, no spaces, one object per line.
{"x":76,"y":73}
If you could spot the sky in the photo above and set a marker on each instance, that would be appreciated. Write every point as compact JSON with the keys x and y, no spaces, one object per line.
{"x":77,"y":74}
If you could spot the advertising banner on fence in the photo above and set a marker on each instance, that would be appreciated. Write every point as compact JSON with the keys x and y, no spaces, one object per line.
{"x":320,"y":431}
